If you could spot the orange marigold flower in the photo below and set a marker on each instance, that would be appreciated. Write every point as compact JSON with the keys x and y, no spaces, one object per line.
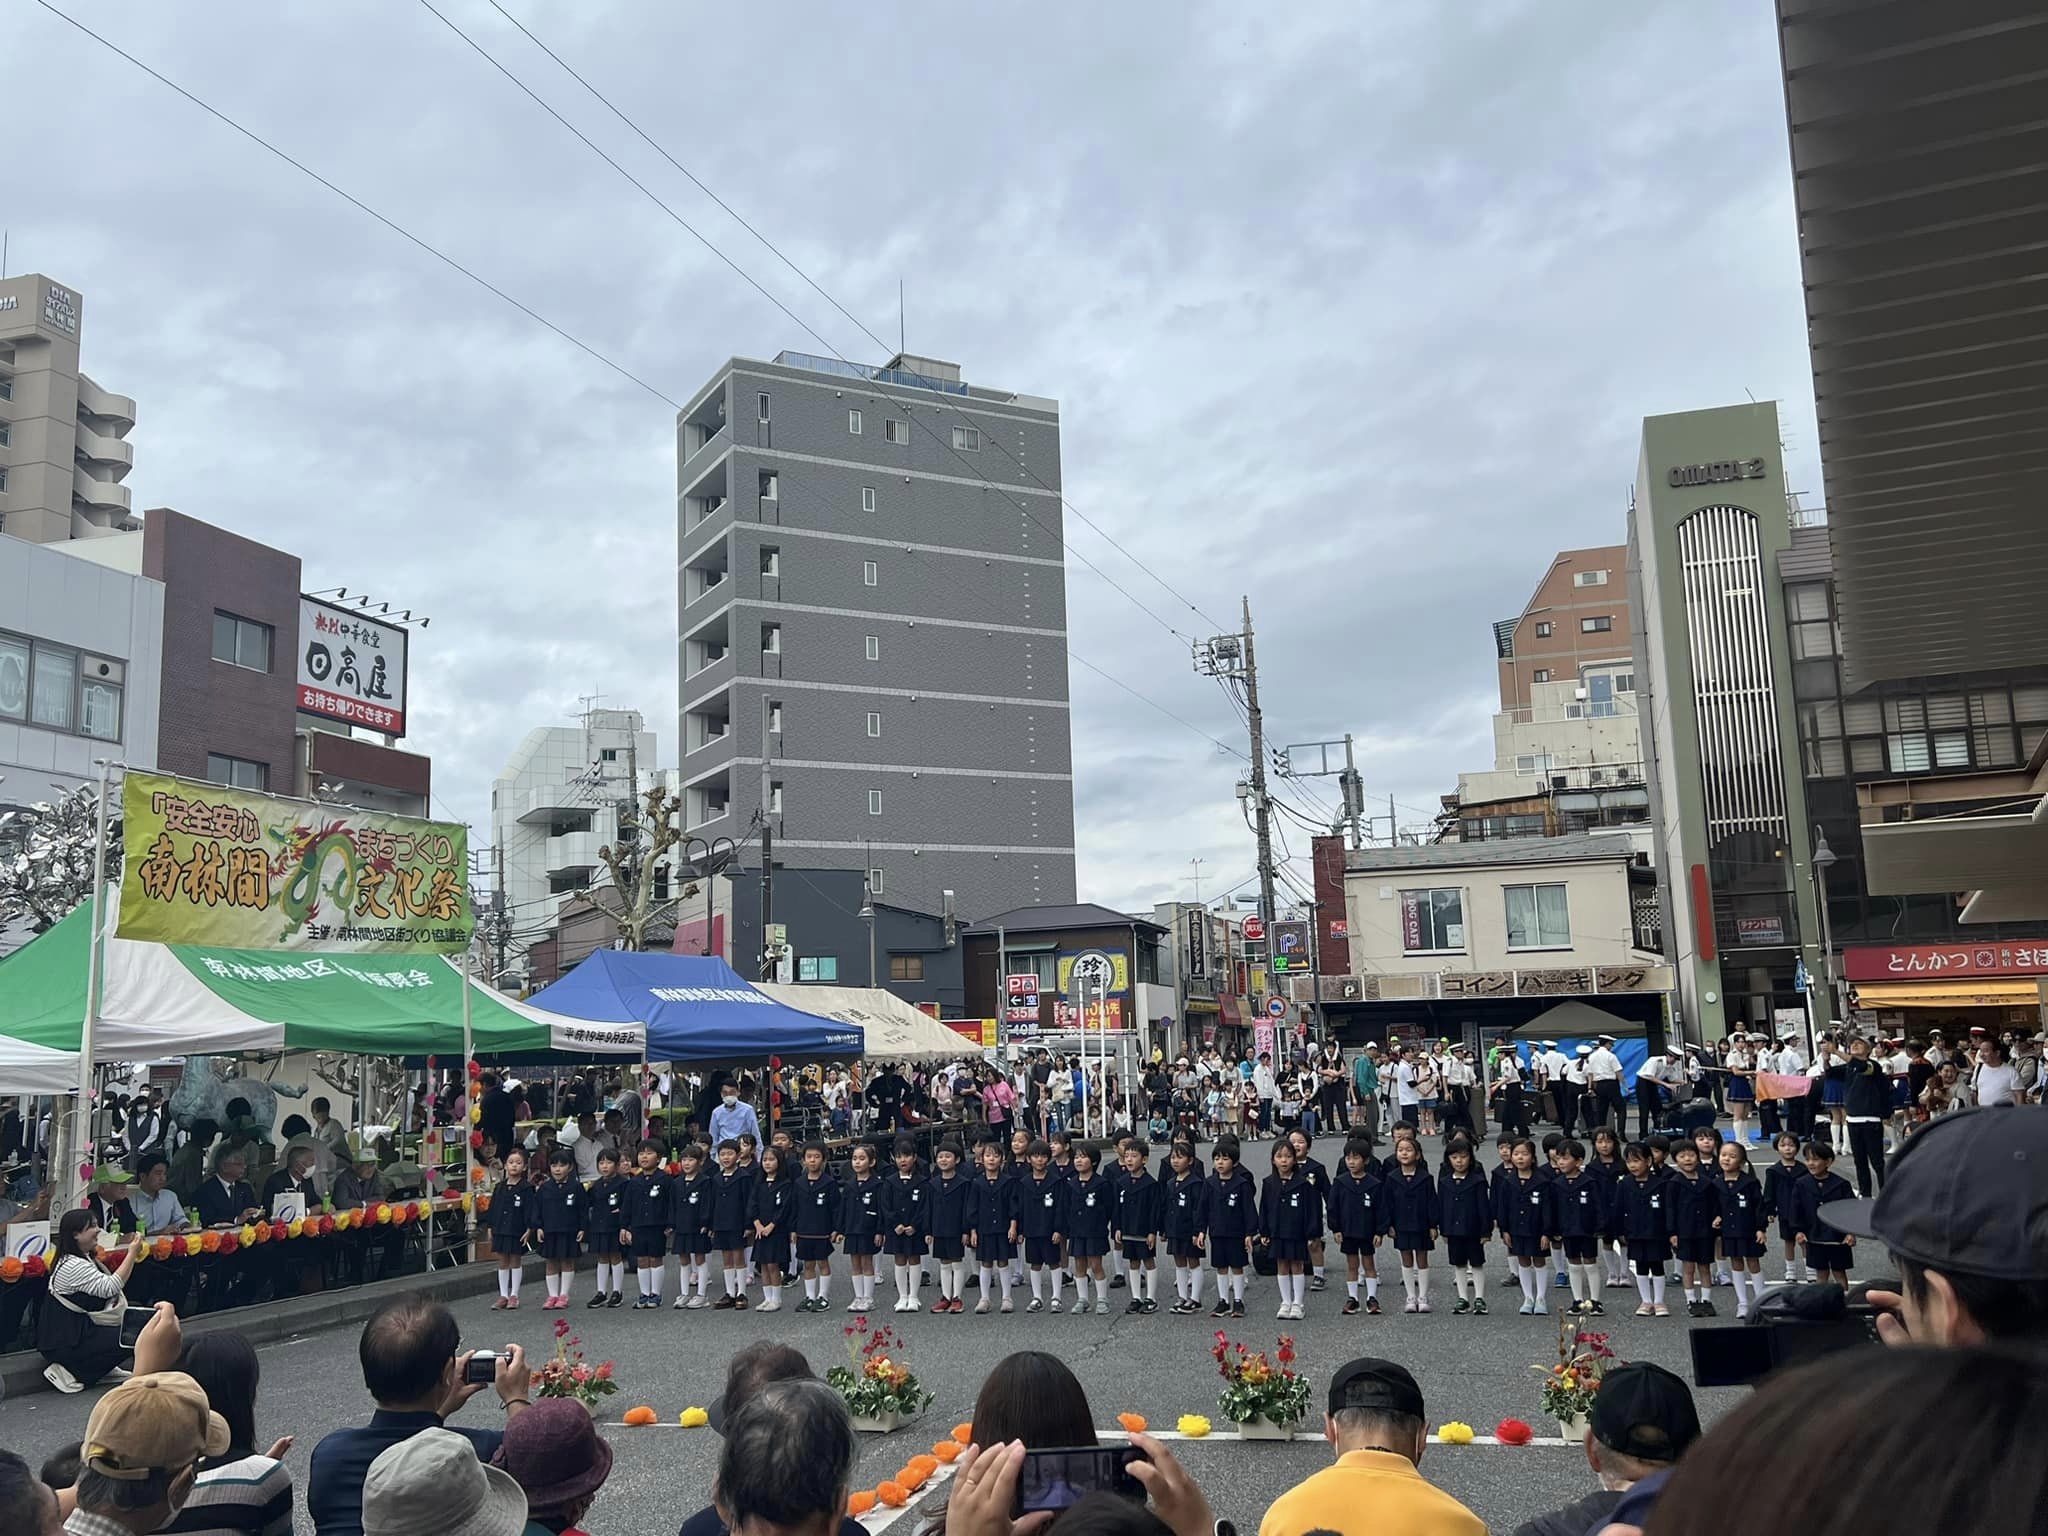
{"x":947,"y":1450}
{"x":912,"y":1478}
{"x":858,"y":1504}
{"x":893,"y":1494}
{"x":638,"y":1416}
{"x":963,"y":1434}
{"x":1134,"y":1423}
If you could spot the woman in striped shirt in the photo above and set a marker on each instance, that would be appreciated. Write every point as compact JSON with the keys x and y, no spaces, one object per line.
{"x":239,"y":1492}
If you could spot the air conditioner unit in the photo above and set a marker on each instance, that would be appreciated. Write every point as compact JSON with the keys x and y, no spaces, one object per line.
{"x":1557,"y":781}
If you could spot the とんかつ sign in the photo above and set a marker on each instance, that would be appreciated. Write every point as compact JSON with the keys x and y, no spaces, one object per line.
{"x":230,"y":869}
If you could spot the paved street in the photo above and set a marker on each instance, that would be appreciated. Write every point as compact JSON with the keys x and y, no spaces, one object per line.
{"x":1473,"y":1369}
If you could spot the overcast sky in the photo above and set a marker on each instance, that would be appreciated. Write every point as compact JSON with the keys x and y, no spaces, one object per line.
{"x":1356,"y":309}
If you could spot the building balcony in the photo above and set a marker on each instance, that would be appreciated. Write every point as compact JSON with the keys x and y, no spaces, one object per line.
{"x":540,"y":806}
{"x":117,"y":410}
{"x":99,"y":495}
{"x":109,"y":455}
{"x":573,"y":853}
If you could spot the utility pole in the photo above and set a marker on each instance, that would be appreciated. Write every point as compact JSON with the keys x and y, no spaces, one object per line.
{"x":1197,"y":862}
{"x":1232,"y":658}
{"x":1351,"y":787}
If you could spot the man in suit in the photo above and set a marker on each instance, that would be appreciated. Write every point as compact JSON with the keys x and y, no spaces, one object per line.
{"x":108,"y":1200}
{"x":225,"y":1199}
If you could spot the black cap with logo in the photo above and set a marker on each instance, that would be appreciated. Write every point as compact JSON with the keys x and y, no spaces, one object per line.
{"x":1644,"y":1411}
{"x":1379,"y":1386}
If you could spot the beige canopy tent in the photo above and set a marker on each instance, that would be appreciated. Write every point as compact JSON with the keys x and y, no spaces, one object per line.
{"x":896,"y":1031}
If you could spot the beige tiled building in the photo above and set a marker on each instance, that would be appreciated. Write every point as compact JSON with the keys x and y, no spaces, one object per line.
{"x":63,"y":439}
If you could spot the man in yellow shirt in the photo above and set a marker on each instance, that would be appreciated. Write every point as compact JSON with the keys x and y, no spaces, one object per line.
{"x":1376,"y":1421}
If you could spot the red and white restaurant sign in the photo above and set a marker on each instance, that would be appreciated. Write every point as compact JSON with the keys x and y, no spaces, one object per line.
{"x":1931,"y":962}
{"x":1254,"y":929}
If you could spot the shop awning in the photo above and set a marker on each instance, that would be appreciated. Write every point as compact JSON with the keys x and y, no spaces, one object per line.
{"x":895,"y":1029}
{"x":694,"y":1008}
{"x":1955,"y":992}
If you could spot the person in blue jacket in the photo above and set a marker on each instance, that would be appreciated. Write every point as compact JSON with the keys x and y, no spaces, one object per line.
{"x":1232,"y":1212}
{"x":860,"y":1225}
{"x":1410,"y":1194}
{"x":648,"y":1215}
{"x":1137,"y":1213}
{"x":1356,"y":1215}
{"x":906,"y":1222}
{"x":816,"y":1225}
{"x":1582,"y":1197}
{"x":992,"y":1223}
{"x":1465,"y":1217}
{"x":690,"y":1227}
{"x":1642,"y":1218}
{"x":1086,"y":1220}
{"x":1524,"y":1208}
{"x":946,"y":1197}
{"x":513,"y":1217}
{"x":1184,"y":1199}
{"x":1287,"y":1216}
{"x":774,"y":1203}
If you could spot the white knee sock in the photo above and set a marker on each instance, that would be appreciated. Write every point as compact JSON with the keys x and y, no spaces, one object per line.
{"x":505,"y":1284}
{"x":1037,"y":1283}
{"x":1372,"y":1287}
{"x":1643,"y":1287}
{"x":988,"y":1280}
{"x":518,"y":1273}
{"x":1476,"y":1273}
{"x":1422,"y":1282}
{"x":1009,"y":1280}
{"x":1657,"y":1289}
{"x":825,"y":1286}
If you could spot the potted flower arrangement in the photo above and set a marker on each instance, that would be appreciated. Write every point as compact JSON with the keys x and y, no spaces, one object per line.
{"x":880,"y":1391}
{"x":567,"y":1374}
{"x":1267,"y":1399}
{"x":1570,"y":1385}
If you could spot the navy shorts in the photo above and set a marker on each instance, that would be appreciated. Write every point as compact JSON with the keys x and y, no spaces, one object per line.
{"x":689,"y":1245}
{"x":772,"y":1249}
{"x":1187,"y":1256}
{"x":1041,"y":1252}
{"x":1356,"y":1245}
{"x":949,"y":1250}
{"x":1413,"y":1242}
{"x":727,"y":1242}
{"x":1467,"y":1252}
{"x":1741,"y":1245}
{"x":1227,"y":1252}
{"x":994,"y":1251}
{"x":1581,"y":1250}
{"x":1077,"y":1248}
{"x":604,"y":1240}
{"x":650,"y":1242}
{"x":1648,"y":1254}
{"x":1288,"y":1250}
{"x":1138,"y":1251}
{"x":814,"y":1250}
{"x":1528,"y":1247}
{"x":1695,"y":1250}
{"x":1833,"y":1256}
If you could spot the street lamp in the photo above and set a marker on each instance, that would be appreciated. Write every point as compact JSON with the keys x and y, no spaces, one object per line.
{"x":710,"y":857}
{"x":1824,"y":859}
{"x":867,"y":915}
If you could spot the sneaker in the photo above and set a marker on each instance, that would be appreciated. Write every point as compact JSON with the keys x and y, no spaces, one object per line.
{"x":616,"y":1299}
{"x":1008,"y":1305}
{"x":855,"y":1306}
{"x":1408,"y":1304}
{"x":1221,"y":1309}
{"x":740,"y":1303}
{"x":1135,"y":1304}
{"x":1561,"y":1282}
{"x":1741,"y":1313}
{"x":118,"y":1373}
{"x":1462,"y":1306}
{"x":1542,"y":1307}
{"x":698,"y":1301}
{"x":1597,"y":1307}
{"x":724,"y":1303}
{"x":1037,"y":1305}
{"x":982,"y":1305}
{"x":1101,"y":1309}
{"x":1646,"y":1310}
{"x":599,"y":1300}
{"x":1318,"y":1283}
{"x":1420,"y":1306}
{"x":1661,"y":1310}
{"x":1479,"y":1307}
{"x":1350,"y":1306}
{"x":1055,"y":1305}
{"x":1708,"y":1309}
{"x":1372,"y":1306}
{"x":512,"y":1305}
{"x":1283,"y":1311}
{"x":1237,"y":1309}
{"x":770,"y":1305}
{"x":499,"y":1305}
{"x":862,"y":1307}
{"x":1151,"y":1306}
{"x":62,"y":1379}
{"x":1116,"y":1282}
{"x":1527,"y":1308}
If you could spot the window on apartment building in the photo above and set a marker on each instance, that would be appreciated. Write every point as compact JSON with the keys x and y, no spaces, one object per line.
{"x":895,"y":430}
{"x":237,"y":771}
{"x":867,"y":498}
{"x":241,"y":642}
{"x":6,"y":434}
{"x":906,"y":967}
{"x":771,"y":639}
{"x":870,"y":573}
{"x":3,"y":477}
{"x":968,"y":438}
{"x":775,"y":717}
{"x":1624,"y":682}
{"x":875,"y":881}
{"x":53,"y":696}
{"x":1589,"y":578}
{"x":99,"y":709}
{"x":771,"y":561}
{"x":1538,"y":917}
{"x":817,"y":968}
{"x":775,"y":798}
{"x":6,"y":386}
{"x":1599,"y":624}
{"x":874,"y":802}
{"x":760,"y":407}
{"x":1533,"y":762}
{"x":872,"y":646}
{"x":769,"y":485}
{"x":853,"y":423}
{"x":14,"y":676}
{"x":1433,"y":918}
{"x":1543,"y":629}
{"x":1540,"y":675}
{"x":874,"y":723}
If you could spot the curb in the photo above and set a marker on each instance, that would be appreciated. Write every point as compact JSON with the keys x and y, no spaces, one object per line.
{"x":21,"y":1372}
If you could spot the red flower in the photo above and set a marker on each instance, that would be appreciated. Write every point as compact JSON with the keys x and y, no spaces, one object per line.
{"x":35,"y":1264}
{"x":1513,"y":1432}
{"x":561,"y":1327}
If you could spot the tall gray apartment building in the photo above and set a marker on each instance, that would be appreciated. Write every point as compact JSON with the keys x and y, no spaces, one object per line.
{"x":872,"y":589}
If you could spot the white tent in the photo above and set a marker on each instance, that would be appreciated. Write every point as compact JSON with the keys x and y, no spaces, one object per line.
{"x":896,"y":1031}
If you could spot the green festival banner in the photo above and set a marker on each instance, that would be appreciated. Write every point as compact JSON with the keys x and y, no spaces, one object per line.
{"x":230,"y":868}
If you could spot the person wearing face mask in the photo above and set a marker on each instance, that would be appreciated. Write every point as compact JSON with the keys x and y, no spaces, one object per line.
{"x":732,"y":1118}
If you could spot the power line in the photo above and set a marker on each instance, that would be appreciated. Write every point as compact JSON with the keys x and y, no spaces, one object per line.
{"x":348,"y":197}
{"x":698,"y":182}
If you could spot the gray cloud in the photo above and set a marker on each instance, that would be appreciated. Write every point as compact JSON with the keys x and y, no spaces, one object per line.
{"x":1356,"y":312}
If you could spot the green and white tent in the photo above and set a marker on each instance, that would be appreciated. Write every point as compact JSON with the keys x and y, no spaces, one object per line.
{"x":161,"y":1000}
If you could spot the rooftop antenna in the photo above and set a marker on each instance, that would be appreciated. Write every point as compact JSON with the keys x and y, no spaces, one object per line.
{"x":902,"y":330}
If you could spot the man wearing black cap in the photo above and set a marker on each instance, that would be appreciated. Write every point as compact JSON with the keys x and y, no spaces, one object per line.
{"x":1641,"y":1422}
{"x":1376,"y":1421}
{"x":1964,"y":1211}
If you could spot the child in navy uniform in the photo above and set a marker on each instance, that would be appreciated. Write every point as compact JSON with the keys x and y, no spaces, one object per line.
{"x":731,"y":1224}
{"x":860,"y":1225}
{"x":1781,"y":1199}
{"x":1319,"y":1181}
{"x":1184,"y":1213}
{"x":1694,"y":1209}
{"x":1355,"y":1216}
{"x":992,"y":1212}
{"x":607,"y":1215}
{"x":1827,"y":1250}
{"x":946,"y":1197}
{"x":1086,"y":1218}
{"x":1609,"y":1169}
{"x":1137,"y":1215}
{"x":1231,"y":1203}
{"x":773,"y":1203}
{"x":1465,"y":1217}
{"x":514,"y":1214}
{"x":563,"y":1207}
{"x":1412,"y":1217}
{"x":1743,"y":1222}
{"x":904,"y":1222}
{"x":649,"y":1195}
{"x":1642,"y":1218}
{"x":1286,"y":1217}
{"x":1525,"y":1210}
{"x":1581,"y":1224}
{"x":1042,"y":1197}
{"x":815,"y":1223}
{"x":690,"y":1229}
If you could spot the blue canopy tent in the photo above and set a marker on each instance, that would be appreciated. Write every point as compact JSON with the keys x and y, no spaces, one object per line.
{"x":694,"y":1008}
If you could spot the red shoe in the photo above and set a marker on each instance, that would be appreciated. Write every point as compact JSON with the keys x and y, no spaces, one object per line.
{"x":500,"y":1304}
{"x":512,"y":1305}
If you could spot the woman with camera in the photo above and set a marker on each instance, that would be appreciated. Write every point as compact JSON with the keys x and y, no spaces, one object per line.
{"x":79,"y":1332}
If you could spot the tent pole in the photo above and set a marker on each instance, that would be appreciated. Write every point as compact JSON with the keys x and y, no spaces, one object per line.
{"x":72,"y":1186}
